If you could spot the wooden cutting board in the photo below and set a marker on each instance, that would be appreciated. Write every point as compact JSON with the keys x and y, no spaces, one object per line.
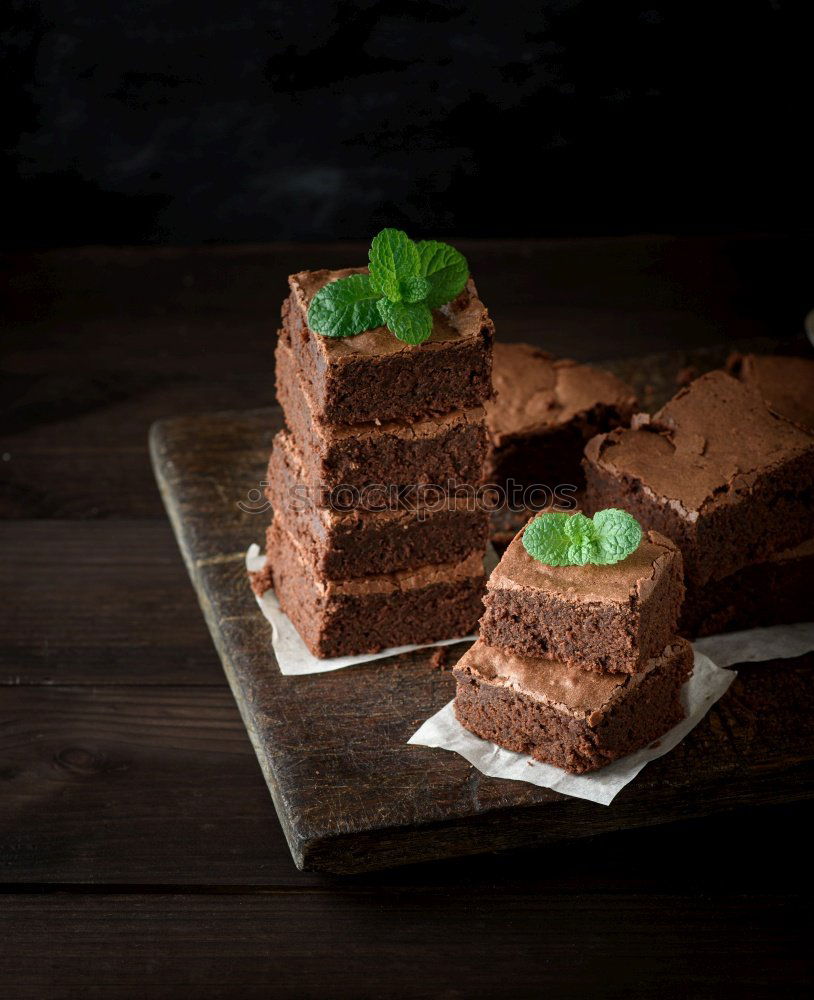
{"x":350,"y":793}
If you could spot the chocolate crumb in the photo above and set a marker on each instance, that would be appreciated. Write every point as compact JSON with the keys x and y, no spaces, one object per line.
{"x":440,"y":658}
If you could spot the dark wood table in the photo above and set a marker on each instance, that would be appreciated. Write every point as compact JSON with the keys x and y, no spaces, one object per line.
{"x":140,"y":851}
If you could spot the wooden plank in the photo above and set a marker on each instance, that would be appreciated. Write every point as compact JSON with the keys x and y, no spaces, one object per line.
{"x":477,"y":942}
{"x":131,"y":785}
{"x":99,"y":602}
{"x":349,"y":792}
{"x":95,"y":464}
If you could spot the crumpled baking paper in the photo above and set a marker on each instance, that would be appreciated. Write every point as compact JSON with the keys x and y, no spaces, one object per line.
{"x":753,"y":645}
{"x":708,"y":682}
{"x":294,"y":657}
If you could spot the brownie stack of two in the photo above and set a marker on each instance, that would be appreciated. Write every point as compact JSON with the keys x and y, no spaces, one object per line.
{"x":731,"y":481}
{"x":377,"y":540}
{"x":577,"y":665}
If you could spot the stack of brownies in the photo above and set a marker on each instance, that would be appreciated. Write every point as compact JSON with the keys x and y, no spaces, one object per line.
{"x":577,"y":665}
{"x":377,"y":540}
{"x":731,"y":481}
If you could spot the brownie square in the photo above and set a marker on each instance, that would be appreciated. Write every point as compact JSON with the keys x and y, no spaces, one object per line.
{"x":606,"y":618}
{"x":544,"y":411}
{"x":443,"y":450}
{"x":715,"y":470}
{"x":375,"y":376}
{"x":785,"y":383}
{"x":341,"y":544}
{"x":775,"y":592}
{"x":571,"y":718}
{"x":367,"y":614}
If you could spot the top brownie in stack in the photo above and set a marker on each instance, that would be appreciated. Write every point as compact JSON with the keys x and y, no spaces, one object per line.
{"x":714,"y":470}
{"x":374,"y":376}
{"x":438,"y":448}
{"x":608,"y":618}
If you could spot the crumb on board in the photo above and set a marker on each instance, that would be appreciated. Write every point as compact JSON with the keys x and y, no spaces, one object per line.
{"x":440,"y":658}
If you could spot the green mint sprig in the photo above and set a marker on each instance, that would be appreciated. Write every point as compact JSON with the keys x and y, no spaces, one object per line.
{"x":557,"y":539}
{"x":406,"y":281}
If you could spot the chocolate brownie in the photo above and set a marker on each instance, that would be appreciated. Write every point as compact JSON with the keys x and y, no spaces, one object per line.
{"x":715,"y":470}
{"x":442,"y":449}
{"x":775,"y":592}
{"x":571,"y":718}
{"x":609,"y":618}
{"x":367,"y":614}
{"x":375,"y":376}
{"x":341,"y":544}
{"x":786,"y":384}
{"x":544,"y":411}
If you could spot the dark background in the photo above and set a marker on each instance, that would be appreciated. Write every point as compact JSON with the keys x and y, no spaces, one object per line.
{"x":225,"y":121}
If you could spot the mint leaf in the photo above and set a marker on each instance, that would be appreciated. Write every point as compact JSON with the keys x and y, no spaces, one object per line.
{"x":579,"y":531}
{"x":405,"y":282}
{"x":546,"y":539}
{"x":393,"y":259}
{"x":617,"y":535}
{"x":410,"y":322}
{"x":344,"y":307}
{"x":557,"y":539}
{"x":446,"y":270}
{"x":560,"y":539}
{"x":414,"y":289}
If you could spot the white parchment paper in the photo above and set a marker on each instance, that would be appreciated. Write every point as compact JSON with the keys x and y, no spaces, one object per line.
{"x":754,"y":645}
{"x":294,"y":657}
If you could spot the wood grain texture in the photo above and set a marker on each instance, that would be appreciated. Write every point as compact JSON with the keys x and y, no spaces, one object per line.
{"x":350,"y":794}
{"x":98,"y":602}
{"x":357,"y":944}
{"x":132,"y":784}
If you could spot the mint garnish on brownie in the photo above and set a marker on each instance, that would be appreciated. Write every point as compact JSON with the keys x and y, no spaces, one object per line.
{"x":557,"y":539}
{"x":406,"y":281}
